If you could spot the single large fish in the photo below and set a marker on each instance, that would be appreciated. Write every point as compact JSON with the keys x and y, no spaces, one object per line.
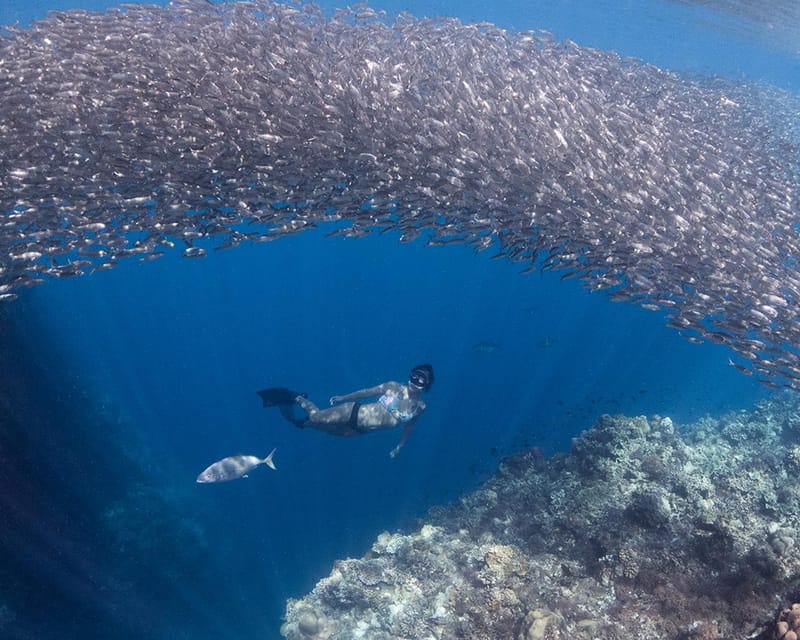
{"x":234,"y":467}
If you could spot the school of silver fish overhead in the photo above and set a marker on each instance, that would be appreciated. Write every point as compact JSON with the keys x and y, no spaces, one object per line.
{"x":196,"y":125}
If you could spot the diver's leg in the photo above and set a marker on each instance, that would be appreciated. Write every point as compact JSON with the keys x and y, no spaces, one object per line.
{"x":309,"y":407}
{"x":306,"y":404}
{"x":335,"y":421}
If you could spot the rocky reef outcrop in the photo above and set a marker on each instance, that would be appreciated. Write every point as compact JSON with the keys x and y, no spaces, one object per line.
{"x":643,"y":530}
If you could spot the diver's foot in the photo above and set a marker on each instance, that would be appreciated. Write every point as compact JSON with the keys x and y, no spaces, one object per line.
{"x":278,"y":396}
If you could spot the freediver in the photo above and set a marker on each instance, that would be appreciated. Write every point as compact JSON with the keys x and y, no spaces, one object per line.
{"x":396,"y":404}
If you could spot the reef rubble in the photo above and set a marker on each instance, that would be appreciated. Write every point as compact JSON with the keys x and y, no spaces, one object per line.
{"x":643,"y":530}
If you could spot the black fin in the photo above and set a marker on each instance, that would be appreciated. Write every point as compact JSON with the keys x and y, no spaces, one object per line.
{"x":277,"y":396}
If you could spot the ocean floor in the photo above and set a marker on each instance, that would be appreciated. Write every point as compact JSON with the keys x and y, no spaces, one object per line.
{"x":645,"y":529}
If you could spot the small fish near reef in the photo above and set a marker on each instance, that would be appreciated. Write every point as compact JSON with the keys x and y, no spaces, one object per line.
{"x":234,"y":467}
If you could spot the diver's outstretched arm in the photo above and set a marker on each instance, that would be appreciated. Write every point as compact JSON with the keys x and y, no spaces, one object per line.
{"x":406,"y":432}
{"x":378,"y":390}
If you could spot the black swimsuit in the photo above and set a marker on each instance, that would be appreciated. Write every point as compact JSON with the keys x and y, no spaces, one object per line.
{"x":353,"y":421}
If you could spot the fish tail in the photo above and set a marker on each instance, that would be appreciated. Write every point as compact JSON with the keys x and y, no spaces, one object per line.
{"x":268,"y":460}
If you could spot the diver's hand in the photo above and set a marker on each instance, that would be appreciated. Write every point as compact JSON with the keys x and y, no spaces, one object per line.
{"x":335,"y":400}
{"x":394,"y":452}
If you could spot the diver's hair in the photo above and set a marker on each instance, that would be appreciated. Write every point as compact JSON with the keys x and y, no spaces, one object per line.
{"x":424,"y":373}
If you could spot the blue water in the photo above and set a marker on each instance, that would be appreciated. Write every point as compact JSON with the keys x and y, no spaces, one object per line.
{"x":151,"y":372}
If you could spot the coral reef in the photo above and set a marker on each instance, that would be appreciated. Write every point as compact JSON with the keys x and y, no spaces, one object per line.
{"x":788,"y":624}
{"x":641,"y":531}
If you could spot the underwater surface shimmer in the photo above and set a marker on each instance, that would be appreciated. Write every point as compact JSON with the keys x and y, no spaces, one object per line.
{"x":666,"y":176}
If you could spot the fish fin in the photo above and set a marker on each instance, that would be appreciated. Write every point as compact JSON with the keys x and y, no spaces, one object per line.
{"x":268,"y":460}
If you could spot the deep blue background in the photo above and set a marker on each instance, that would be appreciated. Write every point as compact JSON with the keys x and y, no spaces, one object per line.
{"x":171,"y":353}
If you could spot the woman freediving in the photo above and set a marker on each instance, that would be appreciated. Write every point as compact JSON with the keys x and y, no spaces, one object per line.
{"x":396,"y":404}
